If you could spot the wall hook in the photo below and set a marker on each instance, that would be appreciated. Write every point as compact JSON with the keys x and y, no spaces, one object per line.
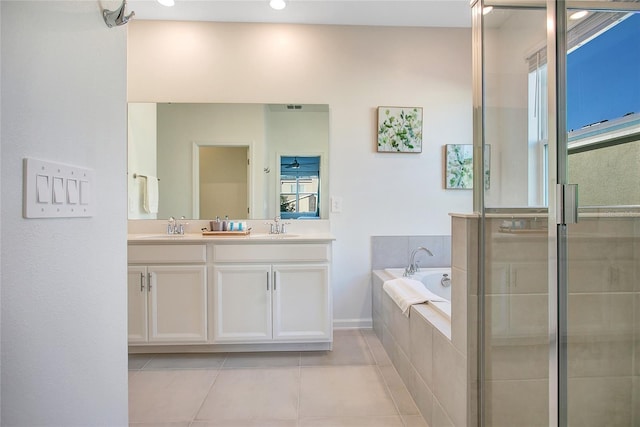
{"x":117,"y":17}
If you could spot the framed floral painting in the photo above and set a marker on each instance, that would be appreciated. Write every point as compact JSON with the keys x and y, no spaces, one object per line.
{"x":459,"y":166}
{"x":400,"y":129}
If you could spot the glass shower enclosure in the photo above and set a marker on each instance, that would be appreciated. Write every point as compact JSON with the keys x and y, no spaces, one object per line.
{"x":557,"y":112}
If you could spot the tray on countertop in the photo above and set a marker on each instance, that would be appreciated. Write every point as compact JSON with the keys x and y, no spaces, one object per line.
{"x":226,"y":233}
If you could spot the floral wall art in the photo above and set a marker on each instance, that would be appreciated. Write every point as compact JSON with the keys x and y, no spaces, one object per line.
{"x":459,"y":166}
{"x":400,"y":129}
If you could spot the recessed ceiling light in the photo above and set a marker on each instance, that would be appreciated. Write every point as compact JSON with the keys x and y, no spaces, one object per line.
{"x":487,"y":9}
{"x":578,"y":15}
{"x":277,"y":4}
{"x":167,"y":3}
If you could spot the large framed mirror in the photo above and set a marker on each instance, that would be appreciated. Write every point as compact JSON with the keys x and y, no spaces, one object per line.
{"x":202,"y":160}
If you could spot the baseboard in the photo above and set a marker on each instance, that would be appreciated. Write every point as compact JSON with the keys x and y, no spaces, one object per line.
{"x":352,"y":323}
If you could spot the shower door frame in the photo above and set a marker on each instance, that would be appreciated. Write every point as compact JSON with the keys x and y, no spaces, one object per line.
{"x":559,"y":204}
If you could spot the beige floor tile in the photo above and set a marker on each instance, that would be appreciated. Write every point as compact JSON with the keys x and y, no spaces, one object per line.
{"x":137,"y":361}
{"x":182,"y":424}
{"x":343,"y":392}
{"x":246,"y":423}
{"x":349,"y":348}
{"x":262,"y":360}
{"x":167,"y":396}
{"x":414,"y":421}
{"x":252,"y":394}
{"x":186,"y":361}
{"x":237,"y":389}
{"x":377,"y":350}
{"x":403,"y":400}
{"x":391,"y":421}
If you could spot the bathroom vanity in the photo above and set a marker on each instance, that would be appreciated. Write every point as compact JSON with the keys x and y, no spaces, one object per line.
{"x":257,"y":292}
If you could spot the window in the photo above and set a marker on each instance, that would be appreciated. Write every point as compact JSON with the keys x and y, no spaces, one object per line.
{"x":603,"y":103}
{"x":299,"y":187}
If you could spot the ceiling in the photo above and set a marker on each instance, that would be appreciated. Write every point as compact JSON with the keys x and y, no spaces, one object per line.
{"x":412,"y":13}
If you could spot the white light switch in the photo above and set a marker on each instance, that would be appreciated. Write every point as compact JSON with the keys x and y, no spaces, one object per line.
{"x":336,"y":204}
{"x":72,"y":191}
{"x":85,"y":195}
{"x":53,"y":190}
{"x":43,"y":189}
{"x":58,"y":190}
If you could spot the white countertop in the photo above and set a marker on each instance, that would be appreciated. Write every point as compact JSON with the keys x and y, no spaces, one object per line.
{"x":151,"y":238}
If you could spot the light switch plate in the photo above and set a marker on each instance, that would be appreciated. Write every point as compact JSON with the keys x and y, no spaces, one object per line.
{"x":56,"y":190}
{"x":336,"y":204}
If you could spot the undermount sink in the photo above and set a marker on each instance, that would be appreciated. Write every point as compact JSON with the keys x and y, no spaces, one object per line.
{"x":274,"y":236}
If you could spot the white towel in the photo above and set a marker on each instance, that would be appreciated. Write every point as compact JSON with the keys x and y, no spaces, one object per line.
{"x":406,"y":292}
{"x":151,"y":195}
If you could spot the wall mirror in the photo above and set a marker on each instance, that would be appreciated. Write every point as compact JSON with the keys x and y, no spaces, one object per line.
{"x":202,"y":160}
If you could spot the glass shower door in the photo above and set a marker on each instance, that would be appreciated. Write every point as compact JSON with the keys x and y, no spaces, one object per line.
{"x":599,"y":358}
{"x":558,"y":302}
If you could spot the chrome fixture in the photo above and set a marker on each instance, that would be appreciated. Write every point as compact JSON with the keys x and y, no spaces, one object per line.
{"x":175,"y":227}
{"x":277,"y":227}
{"x":413,"y":265}
{"x":117,"y":17}
{"x":445,"y":280}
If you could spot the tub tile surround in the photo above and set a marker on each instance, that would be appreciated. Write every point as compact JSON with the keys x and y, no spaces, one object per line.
{"x":394,"y":251}
{"x":604,"y":324}
{"x":428,"y":351}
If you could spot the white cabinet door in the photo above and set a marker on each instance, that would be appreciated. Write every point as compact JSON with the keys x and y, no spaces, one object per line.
{"x":178,"y":303}
{"x":242,"y":303}
{"x":301,"y":302}
{"x":137,"y":304}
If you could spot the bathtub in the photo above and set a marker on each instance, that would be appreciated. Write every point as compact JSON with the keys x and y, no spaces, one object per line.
{"x":432,"y":279}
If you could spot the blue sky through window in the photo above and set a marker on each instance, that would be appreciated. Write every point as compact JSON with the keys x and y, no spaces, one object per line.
{"x":603,"y":76}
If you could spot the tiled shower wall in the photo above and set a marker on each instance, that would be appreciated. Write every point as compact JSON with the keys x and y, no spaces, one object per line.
{"x":603,"y":322}
{"x":394,"y":251}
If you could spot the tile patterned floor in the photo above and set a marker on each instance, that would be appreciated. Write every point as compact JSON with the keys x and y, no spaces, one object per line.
{"x":352,"y":386}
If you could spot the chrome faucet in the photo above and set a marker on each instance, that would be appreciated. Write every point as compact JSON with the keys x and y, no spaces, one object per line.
{"x":277,"y":227}
{"x":175,"y":227}
{"x":413,"y":264}
{"x":171,"y":225}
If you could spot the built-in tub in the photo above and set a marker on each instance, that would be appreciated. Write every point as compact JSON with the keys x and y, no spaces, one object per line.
{"x":434,"y":280}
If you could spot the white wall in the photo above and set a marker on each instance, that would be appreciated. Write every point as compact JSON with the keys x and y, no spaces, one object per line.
{"x":354,"y":70}
{"x":64,"y":349}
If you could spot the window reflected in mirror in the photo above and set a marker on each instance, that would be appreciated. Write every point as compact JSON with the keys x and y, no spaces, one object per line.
{"x":299,"y":187}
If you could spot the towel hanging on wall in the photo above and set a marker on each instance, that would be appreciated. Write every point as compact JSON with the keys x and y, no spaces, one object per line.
{"x":151,"y":195}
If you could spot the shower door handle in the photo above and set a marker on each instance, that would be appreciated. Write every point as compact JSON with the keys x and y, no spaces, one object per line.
{"x":566,"y":204}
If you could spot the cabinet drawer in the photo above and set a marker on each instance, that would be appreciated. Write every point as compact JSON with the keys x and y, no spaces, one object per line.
{"x":271,"y":253}
{"x":163,"y":254}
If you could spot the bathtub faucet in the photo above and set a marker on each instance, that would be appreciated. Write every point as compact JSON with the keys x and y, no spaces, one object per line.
{"x":413,"y":265}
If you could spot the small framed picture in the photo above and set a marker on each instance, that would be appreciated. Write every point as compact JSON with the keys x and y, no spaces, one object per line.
{"x":458,"y":159}
{"x":400,"y":129}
